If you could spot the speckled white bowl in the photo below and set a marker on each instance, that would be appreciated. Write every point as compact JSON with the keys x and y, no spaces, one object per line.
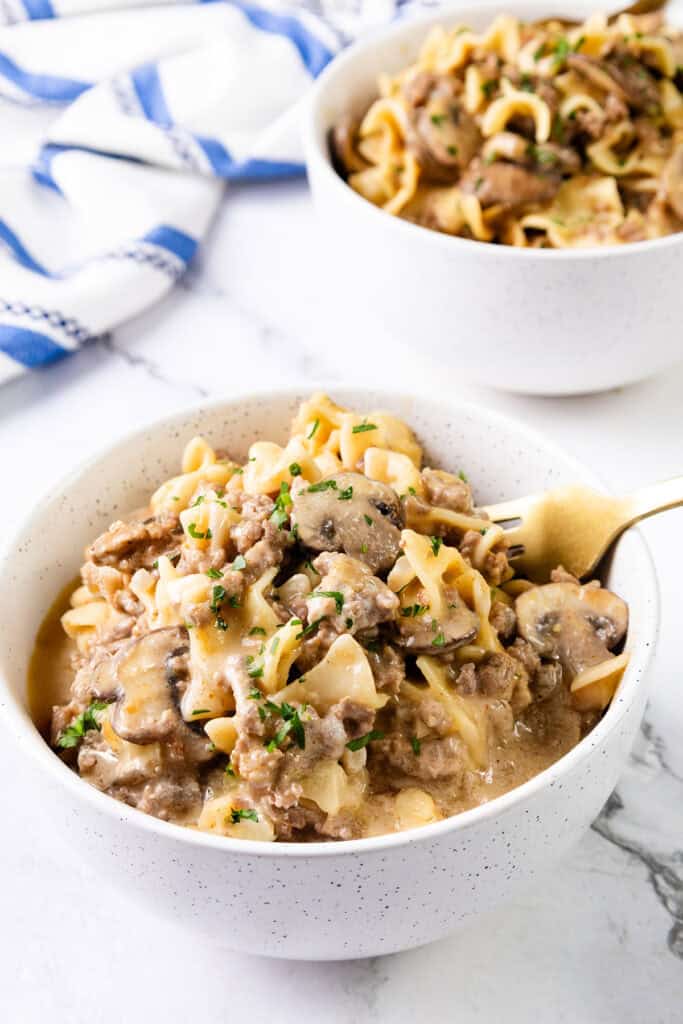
{"x":318,"y":901}
{"x":550,"y":322}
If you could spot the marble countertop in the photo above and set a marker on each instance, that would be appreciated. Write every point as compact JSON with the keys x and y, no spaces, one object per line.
{"x":601,"y":941}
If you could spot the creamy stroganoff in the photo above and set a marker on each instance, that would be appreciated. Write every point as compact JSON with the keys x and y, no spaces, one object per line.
{"x":324,"y":643}
{"x":549,"y":134}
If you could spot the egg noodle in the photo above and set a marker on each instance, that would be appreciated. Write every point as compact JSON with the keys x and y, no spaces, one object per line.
{"x":543,"y":135}
{"x":327,"y":641}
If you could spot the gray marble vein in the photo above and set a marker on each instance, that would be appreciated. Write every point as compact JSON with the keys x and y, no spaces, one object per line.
{"x":619,"y":822}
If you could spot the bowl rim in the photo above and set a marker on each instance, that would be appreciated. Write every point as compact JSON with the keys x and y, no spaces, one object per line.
{"x":318,"y":158}
{"x":28,"y":738}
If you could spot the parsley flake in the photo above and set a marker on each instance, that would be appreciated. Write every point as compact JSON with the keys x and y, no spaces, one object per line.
{"x":323,"y":485}
{"x":336,"y":595}
{"x":416,"y":745}
{"x":436,"y":543}
{"x":257,"y":631}
{"x":439,"y":640}
{"x":214,"y":574}
{"x":346,"y":494}
{"x":197,"y":534}
{"x":311,"y":628}
{"x":295,"y":469}
{"x":74,"y":733}
{"x":368,"y":519}
{"x":362,"y":428}
{"x":243,"y":813}
{"x":362,"y":741}
{"x":315,"y":426}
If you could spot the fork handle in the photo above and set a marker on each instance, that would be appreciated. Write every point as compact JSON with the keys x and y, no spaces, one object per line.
{"x":655,"y":498}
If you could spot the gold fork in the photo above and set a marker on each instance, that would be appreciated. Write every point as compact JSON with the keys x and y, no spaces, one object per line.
{"x":574,"y":526}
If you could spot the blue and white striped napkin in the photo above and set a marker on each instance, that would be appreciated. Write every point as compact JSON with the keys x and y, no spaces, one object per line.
{"x":156,"y":105}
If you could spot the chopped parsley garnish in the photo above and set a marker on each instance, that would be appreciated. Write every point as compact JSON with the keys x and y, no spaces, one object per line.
{"x":527,"y":83}
{"x":74,"y":733}
{"x":416,"y":745}
{"x":315,"y":426}
{"x":539,"y":52}
{"x":336,"y":596}
{"x":411,"y":490}
{"x":202,"y":711}
{"x":291,"y":723}
{"x":363,"y":549}
{"x":255,"y":694}
{"x":295,"y":469}
{"x":197,"y":501}
{"x":579,"y":43}
{"x":257,"y":631}
{"x":437,"y":119}
{"x":489,"y":87}
{"x":478,"y":183}
{"x":217,"y":597}
{"x":452,"y":150}
{"x":368,"y":519}
{"x":229,"y":770}
{"x":282,"y":503}
{"x":439,"y":640}
{"x":308,"y":564}
{"x":255,"y":672}
{"x":362,"y":428}
{"x":214,"y":574}
{"x":348,"y":623}
{"x":311,"y":628}
{"x":412,"y":611}
{"x":239,"y":563}
{"x":242,"y":813}
{"x":323,"y":485}
{"x":155,"y":563}
{"x":197,"y":534}
{"x":436,"y":543}
{"x":221,"y":623}
{"x":346,"y":494}
{"x":462,"y":476}
{"x":562,"y":50}
{"x":484,"y":531}
{"x":362,"y":741}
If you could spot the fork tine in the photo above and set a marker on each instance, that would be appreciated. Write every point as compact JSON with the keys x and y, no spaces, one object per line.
{"x":508,"y":509}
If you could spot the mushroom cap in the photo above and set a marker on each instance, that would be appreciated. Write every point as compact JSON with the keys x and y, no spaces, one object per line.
{"x":349,"y":512}
{"x":422,"y":634}
{"x":140,"y":678}
{"x":440,"y":133}
{"x":573,"y":624}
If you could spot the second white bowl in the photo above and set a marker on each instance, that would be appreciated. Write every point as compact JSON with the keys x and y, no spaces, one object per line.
{"x":552,"y":322}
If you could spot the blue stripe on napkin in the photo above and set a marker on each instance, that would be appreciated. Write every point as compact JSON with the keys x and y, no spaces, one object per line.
{"x":38,"y":9}
{"x":313,"y":53}
{"x":180,"y":244}
{"x":42,"y":87}
{"x":150,"y":93}
{"x":30,"y":348}
{"x":20,"y":252}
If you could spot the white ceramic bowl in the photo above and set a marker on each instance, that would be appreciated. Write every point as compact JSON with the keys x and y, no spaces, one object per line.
{"x":552,"y":322}
{"x":333,"y":900}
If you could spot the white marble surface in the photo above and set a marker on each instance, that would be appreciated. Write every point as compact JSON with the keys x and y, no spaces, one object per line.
{"x":601,"y":942}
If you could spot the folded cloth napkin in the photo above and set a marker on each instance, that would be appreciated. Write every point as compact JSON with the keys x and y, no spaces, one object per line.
{"x":157,"y":105}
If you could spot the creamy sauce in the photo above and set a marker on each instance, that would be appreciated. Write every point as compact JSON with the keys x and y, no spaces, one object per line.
{"x":51,"y":671}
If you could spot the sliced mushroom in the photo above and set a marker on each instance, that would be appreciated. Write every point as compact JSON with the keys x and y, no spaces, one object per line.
{"x":343,"y":139}
{"x":440,"y":133}
{"x":420,"y":633}
{"x":575,"y":625}
{"x":140,"y":678}
{"x":672,"y":182}
{"x":508,"y":184}
{"x":621,"y":75}
{"x":350,"y":513}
